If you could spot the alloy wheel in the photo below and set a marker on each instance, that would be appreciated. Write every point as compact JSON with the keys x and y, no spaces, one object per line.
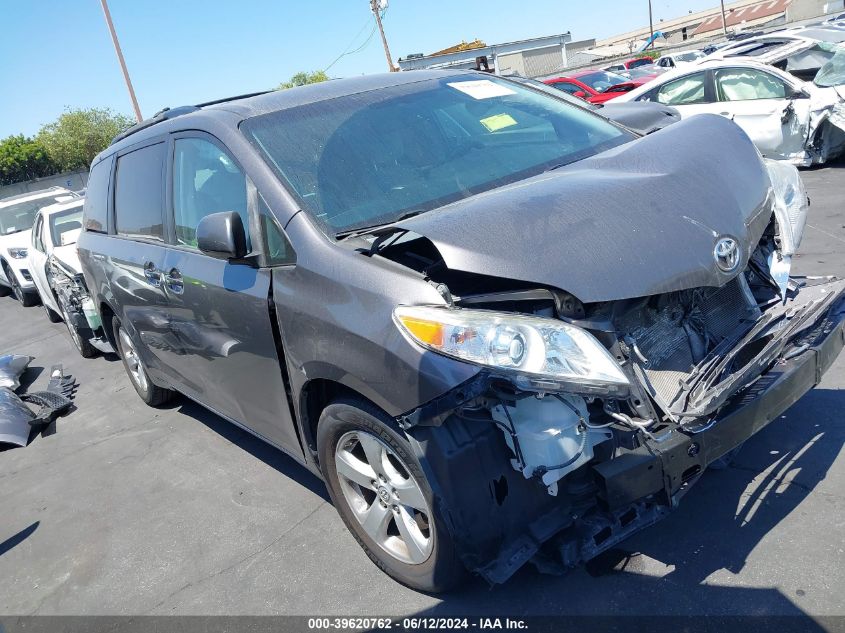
{"x":16,"y":287}
{"x":384,"y":497}
{"x":133,"y":361}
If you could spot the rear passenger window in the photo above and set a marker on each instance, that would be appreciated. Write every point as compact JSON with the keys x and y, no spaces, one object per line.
{"x":138,"y":200}
{"x":96,"y":206}
{"x":205,"y":180}
{"x":683,"y":91}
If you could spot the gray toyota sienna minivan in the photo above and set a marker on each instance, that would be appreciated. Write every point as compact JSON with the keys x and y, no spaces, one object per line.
{"x":498,"y":326}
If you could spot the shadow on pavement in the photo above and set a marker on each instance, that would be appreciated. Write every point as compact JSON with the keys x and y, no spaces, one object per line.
{"x":18,"y":538}
{"x":270,"y":455}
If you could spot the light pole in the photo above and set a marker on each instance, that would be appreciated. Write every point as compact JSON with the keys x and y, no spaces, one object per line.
{"x":724,"y":21}
{"x":650,"y":25}
{"x":121,"y":60}
{"x":374,"y":5}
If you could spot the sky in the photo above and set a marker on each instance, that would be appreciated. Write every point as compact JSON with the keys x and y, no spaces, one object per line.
{"x":57,"y":54}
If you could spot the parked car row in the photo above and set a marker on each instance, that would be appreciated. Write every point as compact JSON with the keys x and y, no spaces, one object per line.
{"x":498,"y":325}
{"x":39,"y":262}
{"x":785,"y":89}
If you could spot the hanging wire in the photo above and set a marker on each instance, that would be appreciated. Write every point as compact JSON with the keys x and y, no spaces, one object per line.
{"x":361,"y":47}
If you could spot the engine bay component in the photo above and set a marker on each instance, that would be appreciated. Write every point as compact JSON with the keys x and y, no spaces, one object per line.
{"x":550,"y":436}
{"x":74,"y":299}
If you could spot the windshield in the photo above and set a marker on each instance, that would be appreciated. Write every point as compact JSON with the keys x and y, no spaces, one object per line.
{"x":65,"y":226}
{"x":601,"y":80}
{"x":690,"y":56}
{"x":645,"y":72}
{"x":833,"y":72}
{"x":20,"y":217}
{"x":368,"y":159}
{"x":640,"y":62}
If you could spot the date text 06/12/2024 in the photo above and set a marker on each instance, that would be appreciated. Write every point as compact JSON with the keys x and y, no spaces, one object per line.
{"x":412,"y":624}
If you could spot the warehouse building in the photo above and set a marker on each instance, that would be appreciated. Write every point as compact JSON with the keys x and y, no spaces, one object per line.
{"x":532,"y":57}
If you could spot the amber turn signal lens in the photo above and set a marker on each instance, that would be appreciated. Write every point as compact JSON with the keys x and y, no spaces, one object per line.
{"x":427,"y":332}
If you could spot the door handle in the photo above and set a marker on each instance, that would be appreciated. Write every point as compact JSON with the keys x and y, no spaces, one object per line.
{"x":173,"y":280}
{"x":152,"y":274}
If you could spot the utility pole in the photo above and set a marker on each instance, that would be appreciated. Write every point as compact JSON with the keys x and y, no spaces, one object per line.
{"x":724,"y":21}
{"x":122,"y":62}
{"x":374,"y":5}
{"x":650,"y":26}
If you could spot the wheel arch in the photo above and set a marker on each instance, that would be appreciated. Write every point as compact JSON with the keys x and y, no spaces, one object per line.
{"x":314,"y":397}
{"x":107,"y":314}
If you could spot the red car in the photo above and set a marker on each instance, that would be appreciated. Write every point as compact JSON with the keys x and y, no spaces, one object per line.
{"x":628,"y":64}
{"x":597,"y":86}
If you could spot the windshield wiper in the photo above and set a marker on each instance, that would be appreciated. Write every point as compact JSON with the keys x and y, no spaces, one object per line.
{"x":557,"y":166}
{"x":378,"y":229}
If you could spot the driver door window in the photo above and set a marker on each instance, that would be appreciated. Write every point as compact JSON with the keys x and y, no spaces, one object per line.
{"x":206,"y":180}
{"x":684,"y":91}
{"x":748,"y":84}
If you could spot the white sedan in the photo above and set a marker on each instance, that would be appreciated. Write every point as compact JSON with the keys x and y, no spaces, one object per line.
{"x":675,"y":60}
{"x":55,"y":268}
{"x":788,"y":119}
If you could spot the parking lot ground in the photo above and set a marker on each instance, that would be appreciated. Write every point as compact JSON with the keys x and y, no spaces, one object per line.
{"x":133,"y":510}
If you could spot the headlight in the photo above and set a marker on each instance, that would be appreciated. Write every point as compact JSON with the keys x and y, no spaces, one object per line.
{"x":541,"y":353}
{"x":790,"y":204}
{"x":17,"y":253}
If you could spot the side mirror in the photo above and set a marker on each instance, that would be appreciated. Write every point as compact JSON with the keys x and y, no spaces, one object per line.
{"x":222,"y":235}
{"x":580,"y":94}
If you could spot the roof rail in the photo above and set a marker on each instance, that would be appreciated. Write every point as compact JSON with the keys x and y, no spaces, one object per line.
{"x":171,"y":113}
{"x":235,"y":98}
{"x":158,"y":117}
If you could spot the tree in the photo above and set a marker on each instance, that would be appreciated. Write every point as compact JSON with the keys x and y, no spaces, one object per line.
{"x":77,"y":136}
{"x":22,"y":159}
{"x":302,"y":78}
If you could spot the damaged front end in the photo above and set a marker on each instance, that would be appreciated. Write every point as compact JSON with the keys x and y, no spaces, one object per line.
{"x":589,"y":422}
{"x":77,"y":306}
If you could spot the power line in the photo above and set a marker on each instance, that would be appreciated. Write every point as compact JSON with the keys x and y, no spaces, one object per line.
{"x":360,"y":48}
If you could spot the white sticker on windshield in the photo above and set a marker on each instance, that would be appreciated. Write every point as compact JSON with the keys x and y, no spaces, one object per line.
{"x":482,"y":89}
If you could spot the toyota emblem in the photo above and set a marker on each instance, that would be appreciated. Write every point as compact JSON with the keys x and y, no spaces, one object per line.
{"x":726,"y":254}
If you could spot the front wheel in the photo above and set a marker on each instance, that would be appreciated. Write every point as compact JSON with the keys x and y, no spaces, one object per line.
{"x":383,"y":497}
{"x":83,"y":346}
{"x":52,"y":315}
{"x":150,"y":393}
{"x":26,"y":299}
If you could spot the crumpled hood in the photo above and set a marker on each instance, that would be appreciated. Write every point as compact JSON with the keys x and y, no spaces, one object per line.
{"x":69,"y":257}
{"x":640,"y":219}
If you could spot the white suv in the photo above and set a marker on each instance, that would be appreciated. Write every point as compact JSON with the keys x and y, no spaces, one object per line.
{"x":17,"y":215}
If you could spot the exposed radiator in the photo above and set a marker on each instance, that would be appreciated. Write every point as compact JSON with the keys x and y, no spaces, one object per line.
{"x":675,"y":330}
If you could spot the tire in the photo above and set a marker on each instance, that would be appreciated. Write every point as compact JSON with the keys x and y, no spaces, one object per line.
{"x":52,"y":315}
{"x":5,"y":291}
{"x":150,"y":393}
{"x":345,"y":428}
{"x":85,"y":349}
{"x":27,"y":299}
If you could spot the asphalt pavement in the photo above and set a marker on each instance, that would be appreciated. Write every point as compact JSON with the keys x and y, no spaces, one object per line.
{"x":133,"y":510}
